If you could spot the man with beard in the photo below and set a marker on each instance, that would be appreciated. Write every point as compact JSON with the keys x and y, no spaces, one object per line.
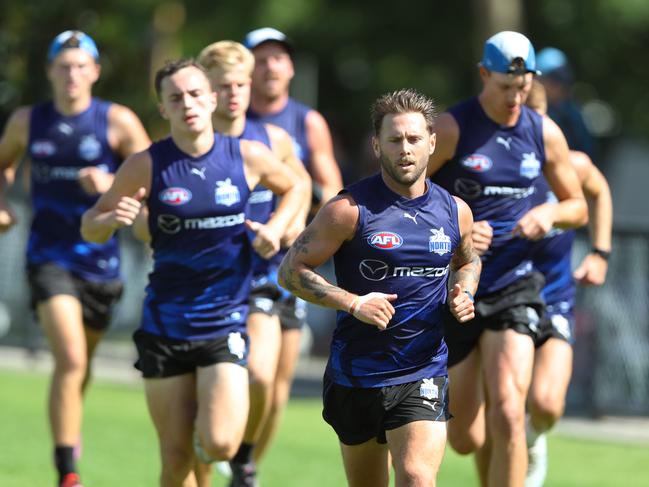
{"x":395,"y":238}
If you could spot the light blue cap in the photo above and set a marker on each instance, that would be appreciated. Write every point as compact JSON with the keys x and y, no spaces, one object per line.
{"x":550,"y":59}
{"x":509,"y":52}
{"x":257,"y":37}
{"x":72,"y":39}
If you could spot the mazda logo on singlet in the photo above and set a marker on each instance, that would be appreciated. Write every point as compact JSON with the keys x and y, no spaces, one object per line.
{"x":169,"y":224}
{"x":373,"y":270}
{"x":467,"y":188}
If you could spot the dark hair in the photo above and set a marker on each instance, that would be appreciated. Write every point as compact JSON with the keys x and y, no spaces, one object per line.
{"x":172,"y":67}
{"x":403,"y":101}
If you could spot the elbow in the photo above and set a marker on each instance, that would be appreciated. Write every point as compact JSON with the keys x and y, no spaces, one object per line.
{"x":583,"y":213}
{"x":87,"y":233}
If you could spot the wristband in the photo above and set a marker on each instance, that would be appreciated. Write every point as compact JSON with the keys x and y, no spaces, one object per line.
{"x":353,"y":306}
{"x":604,"y":254}
{"x":468,"y":293}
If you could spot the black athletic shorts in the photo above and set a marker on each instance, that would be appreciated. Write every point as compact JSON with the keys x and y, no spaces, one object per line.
{"x":160,"y":356}
{"x":558,"y":322}
{"x":359,"y":414}
{"x":97,"y":298}
{"x":267,"y":298}
{"x":518,"y":306}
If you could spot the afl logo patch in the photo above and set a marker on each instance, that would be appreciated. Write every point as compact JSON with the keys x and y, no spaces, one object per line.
{"x":175,"y":196}
{"x":477,"y":163}
{"x":385,"y":240}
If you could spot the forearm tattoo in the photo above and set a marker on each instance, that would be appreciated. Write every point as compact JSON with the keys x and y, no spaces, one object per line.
{"x":465,"y":266}
{"x":302,"y":280}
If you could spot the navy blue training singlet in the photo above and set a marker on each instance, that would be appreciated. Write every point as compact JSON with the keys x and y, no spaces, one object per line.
{"x":58,"y":147}
{"x":495,"y":169}
{"x":262,"y":201}
{"x":292,"y":119}
{"x":552,"y":255}
{"x":401,"y":246}
{"x":201,"y":276}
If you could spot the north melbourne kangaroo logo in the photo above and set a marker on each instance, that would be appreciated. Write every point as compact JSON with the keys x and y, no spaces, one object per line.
{"x":199,"y":172}
{"x":504,"y":142}
{"x":413,"y":218}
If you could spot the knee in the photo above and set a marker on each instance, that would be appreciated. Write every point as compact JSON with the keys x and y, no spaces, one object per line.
{"x":463,"y":442}
{"x":71,"y":362}
{"x":176,"y":461}
{"x":546,"y":410}
{"x":220,"y":449}
{"x":507,"y":419}
{"x":416,"y":473}
{"x":261,"y":381}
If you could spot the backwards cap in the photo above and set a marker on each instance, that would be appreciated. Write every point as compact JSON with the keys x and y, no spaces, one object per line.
{"x":258,"y":37}
{"x":72,"y":39}
{"x":509,"y":52}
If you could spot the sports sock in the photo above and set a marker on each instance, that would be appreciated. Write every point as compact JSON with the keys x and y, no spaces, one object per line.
{"x":530,"y":432}
{"x":64,"y":460}
{"x":244,"y":454}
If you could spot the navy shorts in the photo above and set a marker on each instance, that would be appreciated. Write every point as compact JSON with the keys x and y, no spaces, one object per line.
{"x":97,"y":298}
{"x":359,"y":414}
{"x":160,"y":357}
{"x":268,"y":298}
{"x":518,"y":306}
{"x":558,"y":322}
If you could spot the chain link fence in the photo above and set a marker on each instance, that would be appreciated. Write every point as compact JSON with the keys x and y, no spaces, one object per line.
{"x":611,"y":362}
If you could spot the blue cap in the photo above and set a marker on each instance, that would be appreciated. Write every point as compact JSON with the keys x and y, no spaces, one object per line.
{"x":554,"y":64}
{"x":509,"y":52}
{"x":72,"y":39}
{"x":257,"y":37}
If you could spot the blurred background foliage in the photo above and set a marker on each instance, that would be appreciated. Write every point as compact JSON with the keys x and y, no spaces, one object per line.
{"x":348,"y":53}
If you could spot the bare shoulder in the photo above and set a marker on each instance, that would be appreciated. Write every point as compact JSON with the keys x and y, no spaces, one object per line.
{"x":340,"y":214}
{"x":551,"y":131}
{"x":253,"y":150}
{"x":464,"y":214}
{"x":315,"y":121}
{"x":447,"y":134}
{"x":18,"y":123}
{"x":122,"y":116}
{"x":277,"y":134}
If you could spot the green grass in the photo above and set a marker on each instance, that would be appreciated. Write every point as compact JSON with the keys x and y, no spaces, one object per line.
{"x":120,"y":447}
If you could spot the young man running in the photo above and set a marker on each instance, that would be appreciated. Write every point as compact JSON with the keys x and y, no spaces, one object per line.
{"x":192,"y":342}
{"x":74,"y":143}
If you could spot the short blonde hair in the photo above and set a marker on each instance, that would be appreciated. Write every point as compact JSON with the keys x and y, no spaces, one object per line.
{"x":225,"y":55}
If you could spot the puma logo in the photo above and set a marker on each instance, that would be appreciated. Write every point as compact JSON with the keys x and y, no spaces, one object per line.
{"x":413,"y":218}
{"x":504,"y":142}
{"x":431,"y":404}
{"x":199,"y":172}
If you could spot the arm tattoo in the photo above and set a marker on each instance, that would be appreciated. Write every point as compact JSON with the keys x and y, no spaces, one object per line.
{"x":304,"y":281}
{"x":465,"y":266}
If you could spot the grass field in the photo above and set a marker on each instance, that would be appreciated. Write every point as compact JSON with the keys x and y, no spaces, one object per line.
{"x":120,"y":448}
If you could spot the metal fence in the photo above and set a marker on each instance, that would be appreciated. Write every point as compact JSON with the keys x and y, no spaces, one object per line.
{"x":611,"y":365}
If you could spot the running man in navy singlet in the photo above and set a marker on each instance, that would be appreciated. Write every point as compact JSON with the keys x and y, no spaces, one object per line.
{"x":397,"y":241}
{"x":552,"y":256}
{"x":74,"y":144}
{"x":192,"y":342}
{"x":491,"y":151}
{"x":312,"y":142}
{"x":229,"y":66}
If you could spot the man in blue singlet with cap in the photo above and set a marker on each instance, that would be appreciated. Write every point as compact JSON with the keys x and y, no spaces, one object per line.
{"x":552,"y":256}
{"x":192,"y":343}
{"x":491,"y":149}
{"x":74,"y":143}
{"x":271,"y":103}
{"x":229,"y":66}
{"x":397,"y":241}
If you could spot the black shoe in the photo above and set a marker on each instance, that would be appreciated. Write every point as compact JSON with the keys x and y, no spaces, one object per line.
{"x":243,"y":475}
